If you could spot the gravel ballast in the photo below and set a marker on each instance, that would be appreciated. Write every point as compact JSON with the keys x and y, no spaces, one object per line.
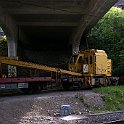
{"x":44,"y":108}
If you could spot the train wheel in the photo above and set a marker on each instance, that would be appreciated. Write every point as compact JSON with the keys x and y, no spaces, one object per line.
{"x":66,"y":85}
{"x":34,"y":88}
{"x":114,"y":82}
{"x":77,"y":85}
{"x":87,"y":81}
{"x":25,"y":90}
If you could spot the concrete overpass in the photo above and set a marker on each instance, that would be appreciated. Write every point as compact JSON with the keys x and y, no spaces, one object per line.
{"x":57,"y":26}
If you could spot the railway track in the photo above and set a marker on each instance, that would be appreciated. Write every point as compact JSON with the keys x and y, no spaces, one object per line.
{"x":116,"y":122}
{"x":116,"y":117}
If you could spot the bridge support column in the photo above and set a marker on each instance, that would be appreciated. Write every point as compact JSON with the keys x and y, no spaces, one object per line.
{"x":12,"y":48}
{"x":12,"y":52}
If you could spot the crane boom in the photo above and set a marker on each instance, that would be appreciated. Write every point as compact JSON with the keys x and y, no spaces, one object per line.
{"x":14,"y":62}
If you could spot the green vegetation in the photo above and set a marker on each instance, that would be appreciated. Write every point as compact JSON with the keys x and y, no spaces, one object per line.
{"x":113,"y":97}
{"x":3,"y":44}
{"x":108,"y":34}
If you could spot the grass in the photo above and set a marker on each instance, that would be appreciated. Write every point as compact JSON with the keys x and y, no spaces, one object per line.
{"x":113,"y":96}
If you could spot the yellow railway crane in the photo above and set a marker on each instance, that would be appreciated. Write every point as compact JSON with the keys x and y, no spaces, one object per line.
{"x":86,"y":68}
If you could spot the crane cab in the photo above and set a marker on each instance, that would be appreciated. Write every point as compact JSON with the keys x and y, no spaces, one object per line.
{"x":82,"y":62}
{"x":76,"y":63}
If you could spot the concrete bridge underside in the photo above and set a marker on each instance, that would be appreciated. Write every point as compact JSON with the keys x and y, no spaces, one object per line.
{"x":52,"y":29}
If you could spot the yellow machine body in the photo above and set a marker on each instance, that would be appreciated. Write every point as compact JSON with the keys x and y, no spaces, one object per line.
{"x":91,"y":63}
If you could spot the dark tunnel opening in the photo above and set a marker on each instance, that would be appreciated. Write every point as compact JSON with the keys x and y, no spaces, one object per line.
{"x":47,"y":45}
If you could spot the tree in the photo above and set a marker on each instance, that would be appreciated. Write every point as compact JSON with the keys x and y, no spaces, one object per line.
{"x":109,"y":35}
